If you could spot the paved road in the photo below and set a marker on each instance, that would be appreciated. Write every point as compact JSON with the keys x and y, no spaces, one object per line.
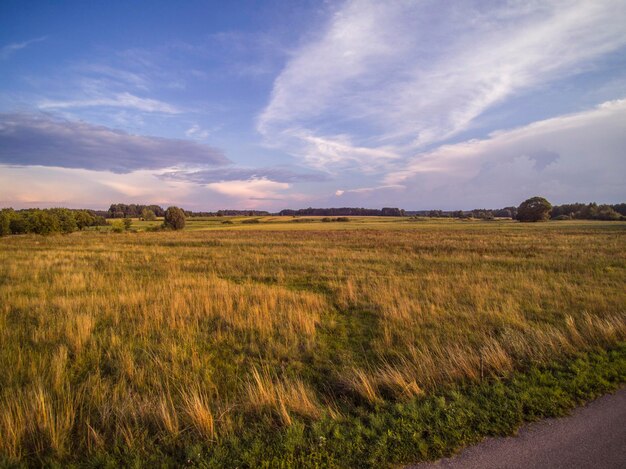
{"x":592,"y":437}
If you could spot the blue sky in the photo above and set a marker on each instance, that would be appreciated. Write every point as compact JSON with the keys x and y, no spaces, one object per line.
{"x":284,"y":104}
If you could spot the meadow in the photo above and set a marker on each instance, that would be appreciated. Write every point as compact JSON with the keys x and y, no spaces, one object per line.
{"x":290,"y":343}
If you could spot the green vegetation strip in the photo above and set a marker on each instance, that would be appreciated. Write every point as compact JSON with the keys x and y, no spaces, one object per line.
{"x":422,"y":429}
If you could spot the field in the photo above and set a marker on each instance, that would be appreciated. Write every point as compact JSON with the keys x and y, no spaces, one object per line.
{"x":280,"y":343}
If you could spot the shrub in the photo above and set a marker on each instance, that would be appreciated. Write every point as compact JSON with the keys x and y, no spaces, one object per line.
{"x":174,"y":218}
{"x":148,"y":215}
{"x":226,"y":222}
{"x":251,"y":221}
{"x":84,"y":219}
{"x":342,"y":219}
{"x":65,"y":219}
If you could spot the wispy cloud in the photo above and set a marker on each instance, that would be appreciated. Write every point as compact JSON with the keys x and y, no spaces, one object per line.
{"x":367,"y":190}
{"x":8,"y":50}
{"x":40,"y":140}
{"x":197,"y":132}
{"x":120,"y":100}
{"x":401,"y":76}
{"x":116,"y":74}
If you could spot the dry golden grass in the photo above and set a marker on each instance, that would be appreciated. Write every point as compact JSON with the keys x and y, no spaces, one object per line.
{"x":112,"y":339}
{"x":281,"y":396}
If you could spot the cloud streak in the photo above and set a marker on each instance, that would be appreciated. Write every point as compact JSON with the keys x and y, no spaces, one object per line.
{"x":28,"y":140}
{"x":8,"y":50}
{"x":121,"y":100}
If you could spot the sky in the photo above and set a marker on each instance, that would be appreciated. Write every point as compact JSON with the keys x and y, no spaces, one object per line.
{"x":421,"y":104}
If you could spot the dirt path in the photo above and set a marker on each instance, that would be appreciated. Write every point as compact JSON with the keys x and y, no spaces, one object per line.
{"x":593,"y":436}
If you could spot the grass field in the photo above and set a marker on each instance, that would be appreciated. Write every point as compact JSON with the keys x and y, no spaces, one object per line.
{"x":291,"y":344}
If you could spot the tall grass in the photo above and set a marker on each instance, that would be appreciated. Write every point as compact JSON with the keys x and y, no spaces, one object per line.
{"x":179,"y":338}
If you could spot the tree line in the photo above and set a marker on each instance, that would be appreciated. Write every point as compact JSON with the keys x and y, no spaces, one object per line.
{"x":143,"y":211}
{"x":590,"y":211}
{"x":46,"y":221}
{"x":577,"y":211}
{"x":134,"y":210}
{"x":63,"y":220}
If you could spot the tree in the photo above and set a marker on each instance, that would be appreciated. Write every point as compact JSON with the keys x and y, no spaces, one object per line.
{"x":6,"y":215}
{"x":534,"y":209}
{"x":127,"y":222}
{"x":148,"y":214}
{"x":174,"y":218}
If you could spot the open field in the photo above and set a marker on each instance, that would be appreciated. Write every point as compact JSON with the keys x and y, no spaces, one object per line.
{"x":284,"y":343}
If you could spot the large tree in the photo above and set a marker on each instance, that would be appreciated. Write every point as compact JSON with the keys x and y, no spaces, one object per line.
{"x":174,"y":218}
{"x":534,"y":209}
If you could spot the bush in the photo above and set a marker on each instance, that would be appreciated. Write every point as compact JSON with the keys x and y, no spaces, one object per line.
{"x":562,"y":217}
{"x":43,"y":222}
{"x":174,"y":218}
{"x":252,"y":221}
{"x":65,"y":219}
{"x":534,"y":209}
{"x":226,"y":222}
{"x":84,"y":219}
{"x":148,"y":215}
{"x":326,"y":219}
{"x":127,"y":222}
{"x":342,"y":219}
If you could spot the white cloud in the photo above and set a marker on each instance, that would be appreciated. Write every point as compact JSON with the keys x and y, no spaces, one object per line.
{"x":567,"y":158}
{"x":392,"y":77}
{"x":338,"y":151}
{"x":122,"y":100}
{"x":39,"y":186}
{"x":251,"y":189}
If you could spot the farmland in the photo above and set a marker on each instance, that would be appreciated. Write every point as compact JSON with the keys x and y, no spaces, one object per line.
{"x":295,"y":342}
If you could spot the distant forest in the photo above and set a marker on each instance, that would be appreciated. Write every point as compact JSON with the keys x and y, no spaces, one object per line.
{"x":577,"y":211}
{"x":137,"y":211}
